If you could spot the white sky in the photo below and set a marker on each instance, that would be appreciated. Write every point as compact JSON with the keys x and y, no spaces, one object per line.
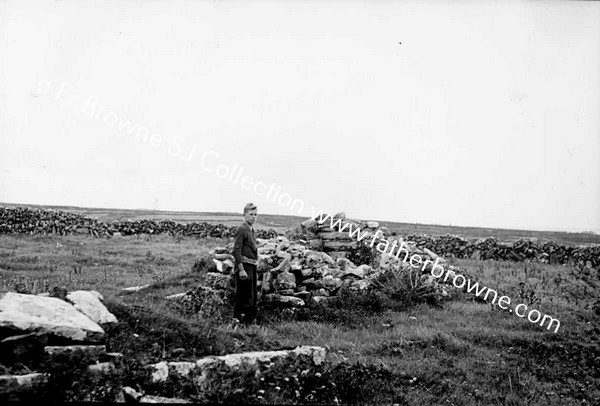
{"x":486,"y":114}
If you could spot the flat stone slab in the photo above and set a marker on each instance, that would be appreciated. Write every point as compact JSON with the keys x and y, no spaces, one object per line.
{"x":162,"y":369}
{"x":135,"y":288}
{"x":176,"y":296}
{"x":89,"y":304}
{"x":92,"y":350}
{"x":133,"y":396}
{"x":32,"y":313}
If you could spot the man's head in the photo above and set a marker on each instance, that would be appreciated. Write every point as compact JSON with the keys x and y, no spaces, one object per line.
{"x":250,"y":213}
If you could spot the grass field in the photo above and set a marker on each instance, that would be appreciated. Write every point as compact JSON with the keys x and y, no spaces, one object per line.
{"x":463,"y":352}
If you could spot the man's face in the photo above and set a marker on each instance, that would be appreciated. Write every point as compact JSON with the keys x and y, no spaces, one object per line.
{"x":250,"y":216}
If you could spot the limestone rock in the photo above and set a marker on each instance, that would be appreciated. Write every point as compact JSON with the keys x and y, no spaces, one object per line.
{"x":264,"y":263}
{"x":162,"y":370}
{"x":89,"y":304}
{"x":94,"y":352}
{"x":338,"y":245}
{"x":319,"y":299}
{"x":357,"y":273}
{"x":135,"y":288}
{"x":50,"y":315}
{"x":285,"y":280}
{"x":344,"y":264}
{"x":304,"y":295}
{"x":284,"y":266}
{"x":306,"y":272}
{"x":365,"y":269}
{"x":296,"y":264}
{"x":317,"y":257}
{"x":331,"y":284}
{"x":360,"y":285}
{"x":176,"y":296}
{"x":22,"y":383}
{"x":287,"y":300}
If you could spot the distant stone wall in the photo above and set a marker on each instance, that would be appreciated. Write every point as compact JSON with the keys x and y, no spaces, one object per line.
{"x":340,"y":244}
{"x":24,"y":220}
{"x":522,"y":250}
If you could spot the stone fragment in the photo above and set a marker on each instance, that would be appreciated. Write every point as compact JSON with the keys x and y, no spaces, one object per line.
{"x":264,"y":263}
{"x":227,"y":266}
{"x":89,"y":304}
{"x":335,"y":235}
{"x":287,"y":300}
{"x":296,"y":264}
{"x":22,"y":383}
{"x":218,"y":265}
{"x":319,"y":299}
{"x":307,"y":272}
{"x":266,"y":282}
{"x":359,"y":274}
{"x":320,"y":292}
{"x":50,"y":315}
{"x":284,"y":266}
{"x":161,"y":400}
{"x":338,"y":245}
{"x":285,"y":280}
{"x":316,"y":258}
{"x":135,"y":288}
{"x":359,"y":285}
{"x":161,"y":370}
{"x":220,"y":250}
{"x":131,"y":395}
{"x":365,"y":269}
{"x":304,"y":295}
{"x":344,"y":263}
{"x":176,"y":296}
{"x":101,"y":368}
{"x":372,"y":224}
{"x":331,"y":284}
{"x":94,"y":352}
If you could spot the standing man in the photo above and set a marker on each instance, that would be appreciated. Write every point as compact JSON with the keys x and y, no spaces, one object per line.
{"x":245,"y":253}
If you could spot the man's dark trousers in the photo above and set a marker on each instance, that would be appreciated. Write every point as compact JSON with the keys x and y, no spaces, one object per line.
{"x":245,"y":295}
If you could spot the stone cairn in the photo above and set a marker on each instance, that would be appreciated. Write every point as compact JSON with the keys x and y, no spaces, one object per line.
{"x":312,"y":264}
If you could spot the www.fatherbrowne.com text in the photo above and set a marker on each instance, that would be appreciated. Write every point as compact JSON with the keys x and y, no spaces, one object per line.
{"x":437,"y":271}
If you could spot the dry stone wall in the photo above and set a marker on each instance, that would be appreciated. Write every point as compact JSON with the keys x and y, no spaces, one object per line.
{"x":24,"y":220}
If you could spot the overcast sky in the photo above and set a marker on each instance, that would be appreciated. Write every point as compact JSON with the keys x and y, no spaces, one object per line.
{"x":464,"y":113}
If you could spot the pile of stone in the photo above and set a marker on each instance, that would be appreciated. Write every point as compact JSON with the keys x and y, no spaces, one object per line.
{"x":335,"y":243}
{"x":522,"y":250}
{"x":25,"y":220}
{"x":36,"y":326}
{"x":292,"y":272}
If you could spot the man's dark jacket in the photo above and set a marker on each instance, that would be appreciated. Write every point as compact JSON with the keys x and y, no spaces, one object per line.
{"x":244,"y":246}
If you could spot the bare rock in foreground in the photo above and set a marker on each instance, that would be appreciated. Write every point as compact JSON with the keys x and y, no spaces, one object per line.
{"x":89,"y":304}
{"x":32,"y":313}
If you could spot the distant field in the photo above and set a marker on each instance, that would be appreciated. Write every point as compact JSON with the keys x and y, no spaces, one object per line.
{"x":281,"y":222}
